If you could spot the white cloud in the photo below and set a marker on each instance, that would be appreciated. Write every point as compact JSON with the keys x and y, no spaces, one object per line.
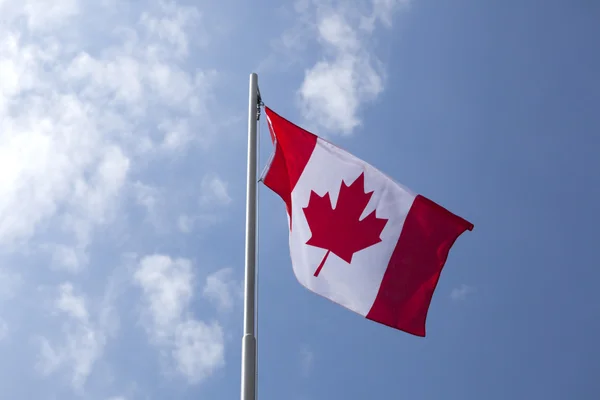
{"x":461,"y":292}
{"x":167,"y":286}
{"x":348,"y":73}
{"x":332,"y":91}
{"x":147,"y":196}
{"x":382,"y":10}
{"x":185,"y":223}
{"x":152,"y":199}
{"x":307,"y":357}
{"x":171,"y":26}
{"x":222,"y":289}
{"x":197,"y":347}
{"x":163,"y":210}
{"x":83,"y":341}
{"x":214,"y":191}
{"x":214,"y":196}
{"x":40,"y":15}
{"x":67,"y":258}
{"x":74,"y":121}
{"x":71,"y":304}
{"x":207,"y":217}
{"x":334,"y":30}
{"x":177,"y":134}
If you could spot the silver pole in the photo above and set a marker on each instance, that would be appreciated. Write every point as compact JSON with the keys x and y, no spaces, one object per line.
{"x":248,"y":389}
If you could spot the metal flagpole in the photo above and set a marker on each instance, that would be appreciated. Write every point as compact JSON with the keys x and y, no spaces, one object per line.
{"x":248,"y":387}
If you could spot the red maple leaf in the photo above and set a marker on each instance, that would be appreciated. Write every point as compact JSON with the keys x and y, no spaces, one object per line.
{"x":340,"y":230}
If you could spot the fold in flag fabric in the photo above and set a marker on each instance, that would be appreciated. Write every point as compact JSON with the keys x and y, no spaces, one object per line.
{"x":357,"y":237}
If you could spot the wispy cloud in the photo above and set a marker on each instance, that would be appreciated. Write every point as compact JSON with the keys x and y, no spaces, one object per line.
{"x":152,"y":200}
{"x":67,"y":114}
{"x":214,"y":191}
{"x":307,"y":357}
{"x":347,"y":73}
{"x":214,"y":198}
{"x":66,"y":258}
{"x":461,"y":292}
{"x":222,"y":289}
{"x":71,"y":304}
{"x":185,"y":223}
{"x":197,"y":347}
{"x":168,"y":288}
{"x":85,"y":336}
{"x":172,"y":25}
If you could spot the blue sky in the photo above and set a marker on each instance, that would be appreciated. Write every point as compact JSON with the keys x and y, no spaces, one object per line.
{"x":122,"y":173}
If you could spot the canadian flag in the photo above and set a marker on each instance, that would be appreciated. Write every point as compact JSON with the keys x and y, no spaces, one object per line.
{"x":357,"y":237}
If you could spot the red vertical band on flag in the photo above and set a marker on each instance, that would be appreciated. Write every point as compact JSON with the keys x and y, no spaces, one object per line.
{"x":414,"y":269}
{"x":293,"y":148}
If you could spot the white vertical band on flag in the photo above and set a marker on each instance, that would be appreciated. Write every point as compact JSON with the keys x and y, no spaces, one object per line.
{"x":354,"y":285}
